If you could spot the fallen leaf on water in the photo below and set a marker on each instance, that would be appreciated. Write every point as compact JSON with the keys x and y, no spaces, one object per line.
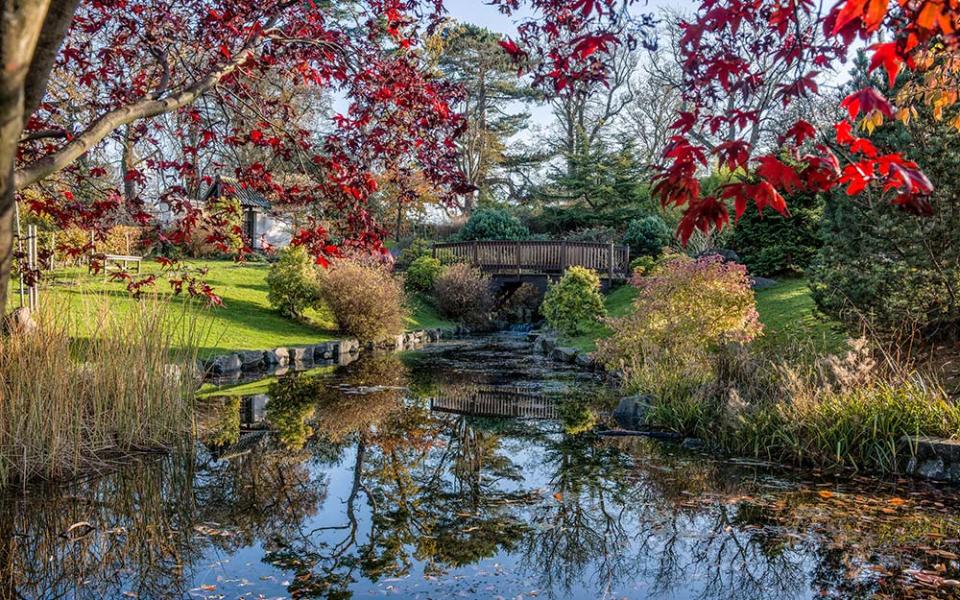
{"x":558,"y":496}
{"x":825,"y":494}
{"x":897,"y":501}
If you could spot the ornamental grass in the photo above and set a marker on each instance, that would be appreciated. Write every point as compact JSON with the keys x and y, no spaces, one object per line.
{"x":79,"y":394}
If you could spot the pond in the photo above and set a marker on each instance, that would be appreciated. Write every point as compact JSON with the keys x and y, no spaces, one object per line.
{"x":452,"y":472}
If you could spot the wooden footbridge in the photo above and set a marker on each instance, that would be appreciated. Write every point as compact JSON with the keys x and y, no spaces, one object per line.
{"x":546,"y":260}
{"x":495,"y":402}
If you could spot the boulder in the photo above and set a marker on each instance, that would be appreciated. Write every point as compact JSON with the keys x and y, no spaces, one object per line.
{"x":931,"y":458}
{"x":631,"y":412}
{"x":691,"y":443}
{"x":400,"y":342}
{"x":585,"y":361}
{"x":320,"y":351}
{"x":251,"y":360}
{"x":725,"y":253}
{"x":931,"y":468}
{"x":300,"y":354}
{"x":349,"y":346}
{"x":279,"y":356}
{"x":548,"y":344}
{"x":762,"y":283}
{"x":220,"y":365}
{"x":566,"y":355}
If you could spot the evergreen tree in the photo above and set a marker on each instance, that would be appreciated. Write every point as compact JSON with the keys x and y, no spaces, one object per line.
{"x":880,"y":262}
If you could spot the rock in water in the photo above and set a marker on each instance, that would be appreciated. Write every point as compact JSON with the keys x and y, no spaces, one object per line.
{"x":631,"y":412}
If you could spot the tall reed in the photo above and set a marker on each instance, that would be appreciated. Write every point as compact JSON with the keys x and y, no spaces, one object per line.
{"x":92,"y":383}
{"x":849,"y":411}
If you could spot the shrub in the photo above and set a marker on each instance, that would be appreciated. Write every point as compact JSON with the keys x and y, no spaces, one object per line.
{"x":647,"y":236}
{"x":772,"y":244}
{"x":418,"y":247}
{"x":493,"y":224}
{"x":599,"y":233}
{"x":463,"y":293}
{"x":292,"y":282}
{"x":682,"y":313}
{"x":574,"y":301}
{"x":421,"y":274}
{"x":365,"y":299}
{"x":642,"y":266}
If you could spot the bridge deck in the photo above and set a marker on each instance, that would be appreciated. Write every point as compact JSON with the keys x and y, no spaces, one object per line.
{"x":610,"y":261}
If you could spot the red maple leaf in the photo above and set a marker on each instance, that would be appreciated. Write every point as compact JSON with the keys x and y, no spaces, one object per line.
{"x":800,"y":132}
{"x":778,"y":174}
{"x":889,"y":57}
{"x":867,"y":100}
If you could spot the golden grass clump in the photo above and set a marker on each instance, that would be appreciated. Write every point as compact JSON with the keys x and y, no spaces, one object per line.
{"x":78,"y":393}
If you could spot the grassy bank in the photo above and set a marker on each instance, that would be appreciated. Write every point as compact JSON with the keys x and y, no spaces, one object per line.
{"x":798,"y":394}
{"x":245,"y":322}
{"x":789,"y":316}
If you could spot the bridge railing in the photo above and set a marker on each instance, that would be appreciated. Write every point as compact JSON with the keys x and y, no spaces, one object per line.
{"x":495,"y":402}
{"x":609,"y":260}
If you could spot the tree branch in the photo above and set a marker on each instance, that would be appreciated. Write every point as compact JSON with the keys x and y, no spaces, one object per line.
{"x":109,"y":122}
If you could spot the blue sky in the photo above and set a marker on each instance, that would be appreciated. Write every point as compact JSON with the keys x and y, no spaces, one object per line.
{"x":479,"y":12}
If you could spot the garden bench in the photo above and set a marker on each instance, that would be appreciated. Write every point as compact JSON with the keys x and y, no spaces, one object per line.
{"x":120,"y":259}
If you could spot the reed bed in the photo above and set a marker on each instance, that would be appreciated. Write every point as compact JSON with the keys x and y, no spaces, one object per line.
{"x":850,"y":411}
{"x":77,"y":393}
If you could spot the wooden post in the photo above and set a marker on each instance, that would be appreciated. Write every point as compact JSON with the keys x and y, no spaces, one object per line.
{"x":518,"y":258}
{"x":611,"y":263}
{"x":563,"y":256}
{"x":476,"y":253}
{"x":16,"y":208}
{"x":33,"y":295}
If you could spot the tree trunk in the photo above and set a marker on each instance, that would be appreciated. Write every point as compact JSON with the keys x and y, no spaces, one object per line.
{"x":20,"y":25}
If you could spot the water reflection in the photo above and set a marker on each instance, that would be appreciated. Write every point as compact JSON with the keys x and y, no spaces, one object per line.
{"x":334,"y":486}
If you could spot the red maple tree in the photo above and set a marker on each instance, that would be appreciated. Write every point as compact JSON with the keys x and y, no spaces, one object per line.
{"x":807,"y":37}
{"x":198,"y":82}
{"x":145,"y":73}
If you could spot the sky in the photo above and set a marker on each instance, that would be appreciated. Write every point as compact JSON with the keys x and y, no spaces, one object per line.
{"x":480,"y":13}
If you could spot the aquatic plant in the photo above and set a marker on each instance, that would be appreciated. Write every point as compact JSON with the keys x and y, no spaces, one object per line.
{"x":849,"y":411}
{"x":71,"y":403}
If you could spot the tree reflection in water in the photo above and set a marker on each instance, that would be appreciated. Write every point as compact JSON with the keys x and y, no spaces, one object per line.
{"x":361,"y":486}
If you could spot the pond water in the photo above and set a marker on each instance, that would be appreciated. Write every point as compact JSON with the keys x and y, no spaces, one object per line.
{"x":451,"y":473}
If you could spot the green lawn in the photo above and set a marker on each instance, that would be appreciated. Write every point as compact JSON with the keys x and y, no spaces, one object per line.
{"x":246,"y":321}
{"x":789,"y":317}
{"x":786,"y":310}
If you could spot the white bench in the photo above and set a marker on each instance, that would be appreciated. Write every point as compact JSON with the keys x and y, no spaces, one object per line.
{"x":120,"y":259}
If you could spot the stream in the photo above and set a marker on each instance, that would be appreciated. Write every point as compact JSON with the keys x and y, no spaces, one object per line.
{"x":467,"y":469}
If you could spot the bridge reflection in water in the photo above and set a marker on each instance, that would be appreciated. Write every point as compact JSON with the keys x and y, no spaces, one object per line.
{"x":495,"y":402}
